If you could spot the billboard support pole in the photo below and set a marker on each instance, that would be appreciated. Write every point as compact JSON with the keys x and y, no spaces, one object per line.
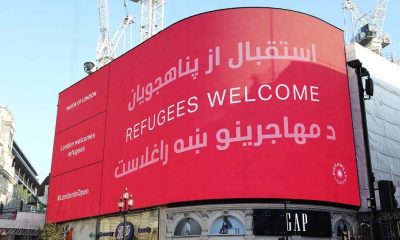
{"x":286,"y":227}
{"x":362,"y":72}
{"x":124,"y":226}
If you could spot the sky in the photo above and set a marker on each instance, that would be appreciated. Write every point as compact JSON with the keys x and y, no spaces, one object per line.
{"x":45,"y":43}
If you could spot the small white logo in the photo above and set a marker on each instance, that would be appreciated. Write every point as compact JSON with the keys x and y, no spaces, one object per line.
{"x":339,"y":173}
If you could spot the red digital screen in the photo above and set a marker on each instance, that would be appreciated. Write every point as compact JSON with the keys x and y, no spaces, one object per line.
{"x":215,"y":107}
{"x":75,"y":194}
{"x":83,"y":100}
{"x":79,"y":146}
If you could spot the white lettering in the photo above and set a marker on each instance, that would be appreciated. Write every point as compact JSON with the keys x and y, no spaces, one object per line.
{"x":74,"y":194}
{"x":128,"y":134}
{"x":162,"y":113}
{"x":285,"y":88}
{"x":288,"y":223}
{"x":136,"y":130}
{"x":169,"y":114}
{"x":261,"y":96}
{"x":265,"y":92}
{"x":143,"y":125}
{"x":314,"y":99}
{"x":179,"y":108}
{"x":81,"y":100}
{"x":246,"y":96}
{"x":233,"y":95}
{"x":192,"y":102}
{"x":171,"y":111}
{"x":218,"y":97}
{"x":299,"y":224}
{"x":296,"y":223}
{"x":297,"y":93}
{"x":305,"y":221}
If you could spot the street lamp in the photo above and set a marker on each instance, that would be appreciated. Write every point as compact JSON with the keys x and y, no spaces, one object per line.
{"x":369,"y":90}
{"x":125,"y":204}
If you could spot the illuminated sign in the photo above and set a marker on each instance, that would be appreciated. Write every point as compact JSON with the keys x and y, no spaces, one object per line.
{"x":243,"y":109}
{"x":278,"y":222}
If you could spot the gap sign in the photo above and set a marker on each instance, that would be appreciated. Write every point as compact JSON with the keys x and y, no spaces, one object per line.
{"x":277,"y":222}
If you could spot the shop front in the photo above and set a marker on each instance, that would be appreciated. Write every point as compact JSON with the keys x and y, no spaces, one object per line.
{"x":141,"y":225}
{"x":259,"y":221}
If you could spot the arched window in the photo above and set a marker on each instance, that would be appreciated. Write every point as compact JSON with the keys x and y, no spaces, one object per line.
{"x":227,"y":225}
{"x":342,"y":227}
{"x":187,"y":226}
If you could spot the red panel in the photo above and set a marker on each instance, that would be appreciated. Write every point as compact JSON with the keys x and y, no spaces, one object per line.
{"x":270,"y":137}
{"x":79,"y":146}
{"x":83,"y":100}
{"x":74,"y":194}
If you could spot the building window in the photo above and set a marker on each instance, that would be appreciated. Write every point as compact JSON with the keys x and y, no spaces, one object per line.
{"x":227,"y":225}
{"x":10,"y":143}
{"x":3,"y":185}
{"x":342,"y":227}
{"x":187,"y":226}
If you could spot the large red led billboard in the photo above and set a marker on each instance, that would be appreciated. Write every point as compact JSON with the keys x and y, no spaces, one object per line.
{"x":239,"y":103}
